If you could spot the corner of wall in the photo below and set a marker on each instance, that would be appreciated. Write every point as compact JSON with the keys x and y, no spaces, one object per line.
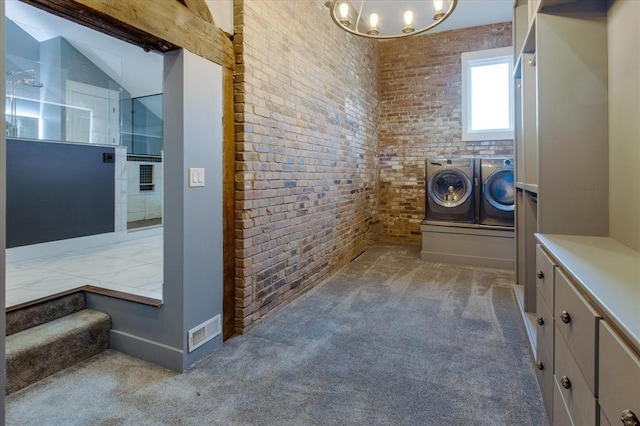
{"x":307,"y":152}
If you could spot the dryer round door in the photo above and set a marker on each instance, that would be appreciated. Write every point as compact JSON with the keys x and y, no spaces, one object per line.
{"x":499,"y":190}
{"x":449,"y":187}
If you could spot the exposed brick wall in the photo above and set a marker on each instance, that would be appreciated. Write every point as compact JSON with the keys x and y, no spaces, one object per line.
{"x":306,"y":102}
{"x":420,"y":117}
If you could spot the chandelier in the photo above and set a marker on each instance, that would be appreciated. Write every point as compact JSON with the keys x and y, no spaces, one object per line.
{"x":389,"y":19}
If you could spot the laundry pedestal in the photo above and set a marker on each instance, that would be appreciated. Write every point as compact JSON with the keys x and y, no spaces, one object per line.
{"x":492,"y":247}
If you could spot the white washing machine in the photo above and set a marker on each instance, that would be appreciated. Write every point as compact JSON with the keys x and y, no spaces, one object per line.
{"x":497,"y":198}
{"x":450,"y":195}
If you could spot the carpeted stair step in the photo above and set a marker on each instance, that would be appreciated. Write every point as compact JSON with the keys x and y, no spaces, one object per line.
{"x":40,"y":351}
{"x":30,"y":316}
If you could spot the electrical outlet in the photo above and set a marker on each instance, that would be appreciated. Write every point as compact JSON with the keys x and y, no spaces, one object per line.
{"x":108,"y":157}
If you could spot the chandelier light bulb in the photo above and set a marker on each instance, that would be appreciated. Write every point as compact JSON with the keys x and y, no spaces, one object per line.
{"x":373,"y":20}
{"x":408,"y":21}
{"x":344,"y":14}
{"x":373,"y":24}
{"x":437,"y":5}
{"x":402,"y":19}
{"x":408,"y":17}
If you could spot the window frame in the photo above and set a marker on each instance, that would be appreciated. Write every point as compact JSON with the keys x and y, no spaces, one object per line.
{"x":481,"y":58}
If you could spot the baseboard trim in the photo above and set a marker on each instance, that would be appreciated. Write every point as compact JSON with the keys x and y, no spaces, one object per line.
{"x":148,"y":350}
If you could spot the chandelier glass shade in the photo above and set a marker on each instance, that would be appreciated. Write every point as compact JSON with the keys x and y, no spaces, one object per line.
{"x":391,"y":18}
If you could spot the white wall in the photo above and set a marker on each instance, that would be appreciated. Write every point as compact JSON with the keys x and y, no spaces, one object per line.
{"x":624,"y":122}
{"x":143,"y":205}
{"x":121,"y":189}
{"x":222,"y":12}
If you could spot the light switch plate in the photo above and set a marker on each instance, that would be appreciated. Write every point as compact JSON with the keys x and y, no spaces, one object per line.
{"x":196,"y":176}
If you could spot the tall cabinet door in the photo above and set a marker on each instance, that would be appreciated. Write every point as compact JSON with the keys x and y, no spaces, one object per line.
{"x":572,"y":116}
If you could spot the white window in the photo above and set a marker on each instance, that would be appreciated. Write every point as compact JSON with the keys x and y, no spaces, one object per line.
{"x":487,"y":95}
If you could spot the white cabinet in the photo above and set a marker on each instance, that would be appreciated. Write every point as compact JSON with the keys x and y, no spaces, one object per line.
{"x":577,"y":324}
{"x":545,"y":271}
{"x":579,"y":401}
{"x":545,"y":328}
{"x":575,"y":350}
{"x":544,"y":353}
{"x":561,"y":137}
{"x":619,"y":386}
{"x":594,"y":354}
{"x":581,"y":282}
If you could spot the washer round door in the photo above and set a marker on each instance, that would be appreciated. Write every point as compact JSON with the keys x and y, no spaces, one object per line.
{"x":499,"y":190}
{"x":449,"y":188}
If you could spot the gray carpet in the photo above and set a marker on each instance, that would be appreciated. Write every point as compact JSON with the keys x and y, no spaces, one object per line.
{"x":389,"y":340}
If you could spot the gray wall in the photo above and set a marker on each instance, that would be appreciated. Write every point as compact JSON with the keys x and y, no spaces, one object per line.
{"x":192,"y":223}
{"x":201,"y":213}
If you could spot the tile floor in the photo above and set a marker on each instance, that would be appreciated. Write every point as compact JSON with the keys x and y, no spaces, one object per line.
{"x":132,"y":265}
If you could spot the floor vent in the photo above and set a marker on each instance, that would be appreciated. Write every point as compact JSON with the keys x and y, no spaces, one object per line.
{"x":206,"y":331}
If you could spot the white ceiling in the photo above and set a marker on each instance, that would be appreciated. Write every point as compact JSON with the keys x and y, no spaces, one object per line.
{"x":472,"y":13}
{"x":140,"y":72}
{"x":137,"y":71}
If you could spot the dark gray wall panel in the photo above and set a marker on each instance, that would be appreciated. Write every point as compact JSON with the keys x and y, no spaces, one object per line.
{"x":57,"y":191}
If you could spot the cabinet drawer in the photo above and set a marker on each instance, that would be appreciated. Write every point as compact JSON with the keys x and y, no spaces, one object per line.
{"x":619,"y":376}
{"x":544,"y":374}
{"x":544,"y":327}
{"x":561,"y":415}
{"x":577,"y":322}
{"x":576,"y":393}
{"x":544,"y":275}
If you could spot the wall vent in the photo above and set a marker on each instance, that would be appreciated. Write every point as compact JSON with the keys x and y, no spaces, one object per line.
{"x":206,"y":331}
{"x":146,"y":177}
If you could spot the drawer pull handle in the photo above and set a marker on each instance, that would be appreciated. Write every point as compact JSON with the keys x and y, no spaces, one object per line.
{"x":540,"y":365}
{"x":565,"y":382}
{"x":540,"y":321}
{"x":628,"y":418}
{"x":565,"y":317}
{"x":540,"y":274}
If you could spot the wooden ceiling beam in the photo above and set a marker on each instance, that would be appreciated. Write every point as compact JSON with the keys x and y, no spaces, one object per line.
{"x":161,"y":26}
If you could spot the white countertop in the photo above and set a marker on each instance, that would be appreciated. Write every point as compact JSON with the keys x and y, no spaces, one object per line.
{"x":608,"y":273}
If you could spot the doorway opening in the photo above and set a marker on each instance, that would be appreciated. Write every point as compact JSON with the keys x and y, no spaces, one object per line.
{"x":84,"y":160}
